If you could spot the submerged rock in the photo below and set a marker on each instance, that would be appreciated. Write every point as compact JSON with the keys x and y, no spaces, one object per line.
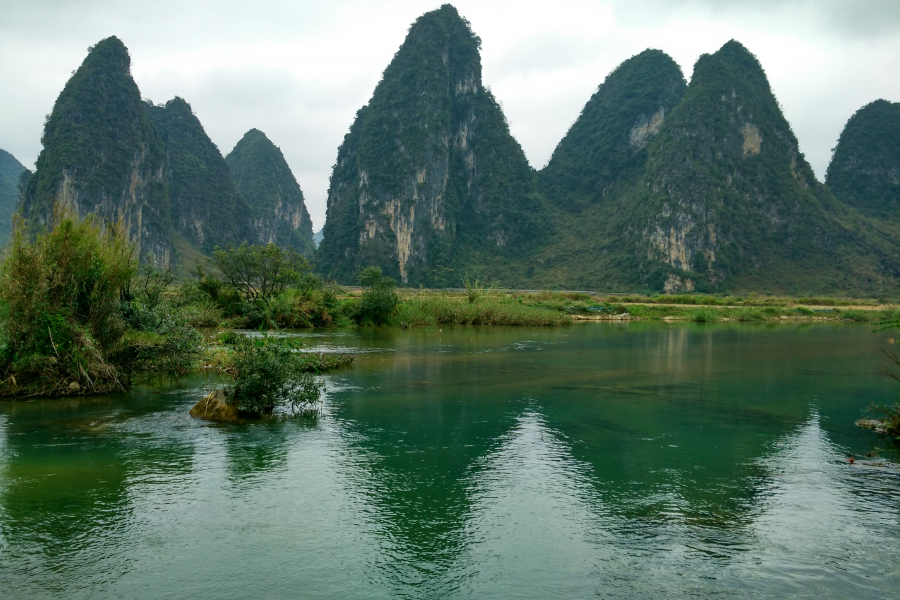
{"x":213,"y":407}
{"x":873,"y":424}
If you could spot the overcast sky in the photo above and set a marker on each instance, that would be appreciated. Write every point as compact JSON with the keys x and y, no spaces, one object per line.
{"x":299,"y":70}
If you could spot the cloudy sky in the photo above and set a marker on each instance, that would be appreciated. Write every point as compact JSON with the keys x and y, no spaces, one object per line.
{"x":298,"y":70}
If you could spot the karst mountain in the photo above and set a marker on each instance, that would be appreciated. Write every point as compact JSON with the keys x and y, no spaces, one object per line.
{"x":102,"y":155}
{"x":109,"y":153}
{"x":262,"y":176}
{"x":429,"y":180}
{"x":11,"y":171}
{"x":660,"y":184}
{"x":865,"y":169}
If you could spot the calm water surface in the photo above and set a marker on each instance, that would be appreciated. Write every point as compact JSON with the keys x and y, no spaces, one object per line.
{"x":601,"y":460}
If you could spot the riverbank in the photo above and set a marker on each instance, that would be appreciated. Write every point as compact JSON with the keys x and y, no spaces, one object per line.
{"x":428,"y":307}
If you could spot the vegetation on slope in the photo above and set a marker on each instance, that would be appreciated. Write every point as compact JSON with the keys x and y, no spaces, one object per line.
{"x":262,"y":176}
{"x":725,"y":201}
{"x":207,"y":209}
{"x":101,"y":154}
{"x":865,"y":169}
{"x":10,"y":172}
{"x":429,"y":177}
{"x":607,"y":144}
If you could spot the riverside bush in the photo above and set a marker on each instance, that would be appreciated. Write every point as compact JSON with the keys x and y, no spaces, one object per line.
{"x":268,"y":373}
{"x":264,"y":287}
{"x":68,"y":324}
{"x":379,"y":300}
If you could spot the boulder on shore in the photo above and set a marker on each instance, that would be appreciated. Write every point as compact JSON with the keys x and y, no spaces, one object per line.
{"x":213,"y":407}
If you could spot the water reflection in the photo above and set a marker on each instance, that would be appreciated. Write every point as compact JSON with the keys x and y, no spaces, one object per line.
{"x":629,"y":460}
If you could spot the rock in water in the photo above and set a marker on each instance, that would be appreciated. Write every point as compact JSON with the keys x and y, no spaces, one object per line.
{"x":101,"y":154}
{"x":865,"y":169}
{"x":213,"y":407}
{"x":429,"y":178}
{"x":263,"y":177}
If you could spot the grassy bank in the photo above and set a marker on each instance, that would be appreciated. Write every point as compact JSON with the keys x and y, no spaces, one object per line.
{"x":445,"y":310}
{"x":700,"y":308}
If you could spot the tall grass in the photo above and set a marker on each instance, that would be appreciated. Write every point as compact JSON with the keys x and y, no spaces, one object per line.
{"x":442,"y":310}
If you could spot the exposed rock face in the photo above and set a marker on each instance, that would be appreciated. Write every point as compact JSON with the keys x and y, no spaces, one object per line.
{"x":262,"y":176}
{"x":703,"y":190}
{"x":865,"y":169}
{"x":726,"y":191}
{"x":10,"y":172}
{"x":606,"y":144}
{"x":207,"y":209}
{"x":429,"y":177}
{"x":101,"y":154}
{"x":213,"y":407}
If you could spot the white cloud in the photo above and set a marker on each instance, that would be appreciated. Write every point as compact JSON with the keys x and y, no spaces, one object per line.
{"x":299,"y":70}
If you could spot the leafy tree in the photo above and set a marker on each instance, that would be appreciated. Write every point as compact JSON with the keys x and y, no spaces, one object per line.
{"x":268,"y":372}
{"x":259,"y":272}
{"x":379,"y":300}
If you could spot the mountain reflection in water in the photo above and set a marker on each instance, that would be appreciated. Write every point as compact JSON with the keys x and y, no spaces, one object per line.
{"x":605,"y":459}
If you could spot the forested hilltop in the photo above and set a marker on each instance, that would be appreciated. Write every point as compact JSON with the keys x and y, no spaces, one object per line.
{"x":262,"y":176}
{"x":429,"y":180}
{"x":659,"y":185}
{"x":109,"y":153}
{"x":11,"y":172}
{"x":865,"y":168}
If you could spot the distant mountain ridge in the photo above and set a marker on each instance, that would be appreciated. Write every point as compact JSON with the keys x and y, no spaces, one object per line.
{"x":660,"y":185}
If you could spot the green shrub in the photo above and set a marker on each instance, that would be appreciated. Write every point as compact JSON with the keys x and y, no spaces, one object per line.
{"x":706,"y":316}
{"x":78,"y":316}
{"x":268,"y":373}
{"x":59,"y":308}
{"x":889,"y":416}
{"x":259,"y":272}
{"x":379,"y":300}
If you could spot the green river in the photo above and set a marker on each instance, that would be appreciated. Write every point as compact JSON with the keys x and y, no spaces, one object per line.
{"x":641,"y":460}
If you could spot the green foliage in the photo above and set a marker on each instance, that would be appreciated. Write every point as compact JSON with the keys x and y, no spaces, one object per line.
{"x":77,"y":316}
{"x":99,"y":141}
{"x":475,"y":288}
{"x":441,"y":310}
{"x":264,"y":178}
{"x":598,"y":149}
{"x":429,"y":122}
{"x":207,"y":208}
{"x":10,"y":172}
{"x":286,"y":294}
{"x":268,"y":372}
{"x":379,"y":300}
{"x":59,"y":301}
{"x":259,"y":272}
{"x":865,"y":168}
